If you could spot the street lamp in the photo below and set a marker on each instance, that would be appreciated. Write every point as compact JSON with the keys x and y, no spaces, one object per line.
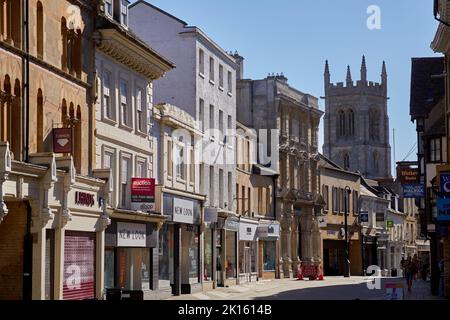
{"x":348,"y":191}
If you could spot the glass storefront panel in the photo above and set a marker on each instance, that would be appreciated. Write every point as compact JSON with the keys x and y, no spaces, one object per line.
{"x":208,"y":265}
{"x":166,"y":251}
{"x":109,"y":268}
{"x":247,"y":257}
{"x":134,"y":268}
{"x":190,"y":252}
{"x":269,"y":255}
{"x":230,"y":259}
{"x":253,"y":256}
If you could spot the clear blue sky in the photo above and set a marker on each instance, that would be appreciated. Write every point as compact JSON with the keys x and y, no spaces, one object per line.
{"x":297,"y":36}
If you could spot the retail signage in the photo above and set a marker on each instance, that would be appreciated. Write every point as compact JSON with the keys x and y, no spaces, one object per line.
{"x":62,"y":140}
{"x":390,"y":224}
{"x":210,"y":215}
{"x":231,"y":225}
{"x":443,"y":208}
{"x":183,"y":211}
{"x":413,"y":191}
{"x":84,"y":199}
{"x":143,"y":194}
{"x":394,"y":291}
{"x":268,"y":231}
{"x":132,"y":235}
{"x":364,"y":216}
{"x":323,"y":222}
{"x":409,"y":176}
{"x":444,"y":180}
{"x":380,"y":216}
{"x":247,"y":231}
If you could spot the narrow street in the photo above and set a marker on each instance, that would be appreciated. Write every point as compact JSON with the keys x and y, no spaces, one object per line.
{"x":332,"y":288}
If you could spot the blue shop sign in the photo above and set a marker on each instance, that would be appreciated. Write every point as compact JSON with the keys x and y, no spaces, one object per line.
{"x":445,"y":182}
{"x":414,"y":191}
{"x":443,"y":208}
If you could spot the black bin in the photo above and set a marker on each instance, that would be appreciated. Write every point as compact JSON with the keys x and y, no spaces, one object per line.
{"x":114,"y":294}
{"x":394,"y":272}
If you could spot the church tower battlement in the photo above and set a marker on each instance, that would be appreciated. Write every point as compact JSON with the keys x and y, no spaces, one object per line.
{"x":356,"y":123}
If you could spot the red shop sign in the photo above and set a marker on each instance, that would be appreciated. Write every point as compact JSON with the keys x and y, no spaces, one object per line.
{"x":143,"y":190}
{"x":62,"y":140}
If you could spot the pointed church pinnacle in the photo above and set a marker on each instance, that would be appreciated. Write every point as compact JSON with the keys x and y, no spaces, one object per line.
{"x":363,"y":69}
{"x":327,"y":68}
{"x":383,"y":70}
{"x":349,"y":75}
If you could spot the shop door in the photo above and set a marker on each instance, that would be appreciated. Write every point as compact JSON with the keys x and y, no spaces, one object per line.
{"x":247,"y":263}
{"x":79,"y":266}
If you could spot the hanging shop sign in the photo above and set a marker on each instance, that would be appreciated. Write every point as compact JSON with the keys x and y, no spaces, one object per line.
{"x":247,"y":231}
{"x":210,"y":215}
{"x":413,"y":191}
{"x":62,"y":140}
{"x":143,"y":194}
{"x":409,"y":176}
{"x":364,"y":216}
{"x":443,"y":210}
{"x":444,"y":179}
{"x":323,"y":222}
{"x":390,"y":224}
{"x":231,"y":225}
{"x":268,"y":231}
{"x":183,"y":211}
{"x":131,"y":235}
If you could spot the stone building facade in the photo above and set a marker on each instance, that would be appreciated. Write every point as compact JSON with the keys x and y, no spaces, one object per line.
{"x":356,"y":124}
{"x":291,"y":120}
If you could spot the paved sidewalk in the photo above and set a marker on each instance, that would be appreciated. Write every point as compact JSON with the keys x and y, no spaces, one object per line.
{"x":333,"y":288}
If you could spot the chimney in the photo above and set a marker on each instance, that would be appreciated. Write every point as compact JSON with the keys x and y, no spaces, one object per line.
{"x":240,"y":62}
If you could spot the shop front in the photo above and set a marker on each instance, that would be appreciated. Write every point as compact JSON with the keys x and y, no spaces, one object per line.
{"x":268,"y":234}
{"x":130,"y":252}
{"x":180,"y":245}
{"x":248,"y":251}
{"x":226,"y":241}
{"x":209,"y":252}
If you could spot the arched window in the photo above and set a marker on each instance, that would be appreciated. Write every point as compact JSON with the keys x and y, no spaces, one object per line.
{"x":14,"y":22}
{"x":64,"y":112}
{"x":346,"y":161}
{"x":64,"y":43}
{"x":15,"y":131}
{"x":40,"y":30}
{"x":6,"y":109}
{"x":374,"y":125}
{"x":351,"y":123}
{"x":2,"y":19}
{"x":40,"y":122}
{"x":77,"y":140}
{"x":341,"y":124}
{"x":376,"y":163}
{"x":77,"y":53}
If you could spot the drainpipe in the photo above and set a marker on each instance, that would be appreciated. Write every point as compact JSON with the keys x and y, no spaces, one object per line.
{"x":25,"y":81}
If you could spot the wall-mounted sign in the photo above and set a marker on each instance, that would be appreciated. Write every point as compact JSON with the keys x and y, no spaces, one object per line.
{"x":268,"y":231}
{"x":183,"y":211}
{"x":84,"y":199}
{"x":323,"y":222}
{"x":247,"y":231}
{"x":210,"y":215}
{"x":131,"y":235}
{"x":444,"y":180}
{"x":62,"y":140}
{"x":364,"y":216}
{"x":390,"y":224}
{"x":143,"y":194}
{"x":380,"y":216}
{"x":231,"y":225}
{"x":414,"y":191}
{"x":443,"y":210}
{"x":409,"y":176}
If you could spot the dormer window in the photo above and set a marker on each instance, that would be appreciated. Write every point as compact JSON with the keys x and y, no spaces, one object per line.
{"x":124,"y":13}
{"x":109,"y":7}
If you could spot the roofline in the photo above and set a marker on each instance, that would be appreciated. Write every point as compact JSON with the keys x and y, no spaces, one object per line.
{"x":337,"y":167}
{"x":158,"y":9}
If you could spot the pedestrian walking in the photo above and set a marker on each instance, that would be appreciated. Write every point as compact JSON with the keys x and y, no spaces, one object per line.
{"x":411,"y":270}
{"x":402,"y":266}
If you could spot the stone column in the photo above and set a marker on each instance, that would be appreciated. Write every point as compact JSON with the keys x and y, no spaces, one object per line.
{"x":285,"y":224}
{"x":306,"y":234}
{"x":295,"y":232}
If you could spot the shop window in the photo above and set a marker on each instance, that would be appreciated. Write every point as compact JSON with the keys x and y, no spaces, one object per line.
{"x":230,"y":258}
{"x":190,"y":252}
{"x":269,"y":256}
{"x":133,"y":267}
{"x":166,"y":252}
{"x":109,"y":268}
{"x":207,"y":258}
{"x":141,"y":113}
{"x":40,"y":30}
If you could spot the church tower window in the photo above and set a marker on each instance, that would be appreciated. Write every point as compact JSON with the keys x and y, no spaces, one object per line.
{"x":374,"y":125}
{"x":341,"y":124}
{"x":351,"y":123}
{"x":346,"y":161}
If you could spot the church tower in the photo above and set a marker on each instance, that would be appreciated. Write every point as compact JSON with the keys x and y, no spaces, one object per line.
{"x":357,"y":124}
